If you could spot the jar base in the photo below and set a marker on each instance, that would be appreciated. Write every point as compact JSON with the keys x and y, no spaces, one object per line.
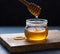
{"x":38,"y":41}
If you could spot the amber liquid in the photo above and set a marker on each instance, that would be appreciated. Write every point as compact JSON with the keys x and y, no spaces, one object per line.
{"x":34,"y":9}
{"x":34,"y":12}
{"x":35,"y":34}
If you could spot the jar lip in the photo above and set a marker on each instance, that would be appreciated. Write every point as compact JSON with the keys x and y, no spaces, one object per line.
{"x":32,"y":20}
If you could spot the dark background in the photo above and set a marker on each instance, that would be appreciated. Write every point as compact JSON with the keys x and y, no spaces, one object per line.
{"x":14,"y":13}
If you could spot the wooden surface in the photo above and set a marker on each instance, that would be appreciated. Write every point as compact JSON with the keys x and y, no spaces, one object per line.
{"x":52,"y":41}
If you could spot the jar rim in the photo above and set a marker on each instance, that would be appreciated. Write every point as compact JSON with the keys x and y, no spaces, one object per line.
{"x":38,"y":22}
{"x":32,"y":20}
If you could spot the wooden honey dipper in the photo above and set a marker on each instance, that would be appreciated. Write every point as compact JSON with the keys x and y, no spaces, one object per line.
{"x":33,"y":8}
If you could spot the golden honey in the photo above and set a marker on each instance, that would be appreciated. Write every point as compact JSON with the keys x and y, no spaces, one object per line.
{"x":36,"y":35}
{"x":36,"y":29}
{"x":34,"y":9}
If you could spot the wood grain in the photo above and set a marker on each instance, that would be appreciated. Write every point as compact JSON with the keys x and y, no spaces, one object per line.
{"x":52,"y":41}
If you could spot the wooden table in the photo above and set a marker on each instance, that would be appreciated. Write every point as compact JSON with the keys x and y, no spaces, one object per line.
{"x":5,"y":30}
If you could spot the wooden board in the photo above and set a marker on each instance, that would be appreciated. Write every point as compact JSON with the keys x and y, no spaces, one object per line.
{"x":52,"y":42}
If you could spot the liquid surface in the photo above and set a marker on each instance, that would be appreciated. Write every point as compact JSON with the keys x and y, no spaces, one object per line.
{"x":36,"y":34}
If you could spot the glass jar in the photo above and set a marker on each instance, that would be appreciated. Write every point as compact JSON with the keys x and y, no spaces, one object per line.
{"x":36,"y":29}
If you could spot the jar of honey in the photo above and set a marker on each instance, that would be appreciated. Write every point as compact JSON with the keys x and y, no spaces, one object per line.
{"x":36,"y":29}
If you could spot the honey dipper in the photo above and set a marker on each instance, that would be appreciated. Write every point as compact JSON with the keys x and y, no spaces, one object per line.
{"x":33,"y":8}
